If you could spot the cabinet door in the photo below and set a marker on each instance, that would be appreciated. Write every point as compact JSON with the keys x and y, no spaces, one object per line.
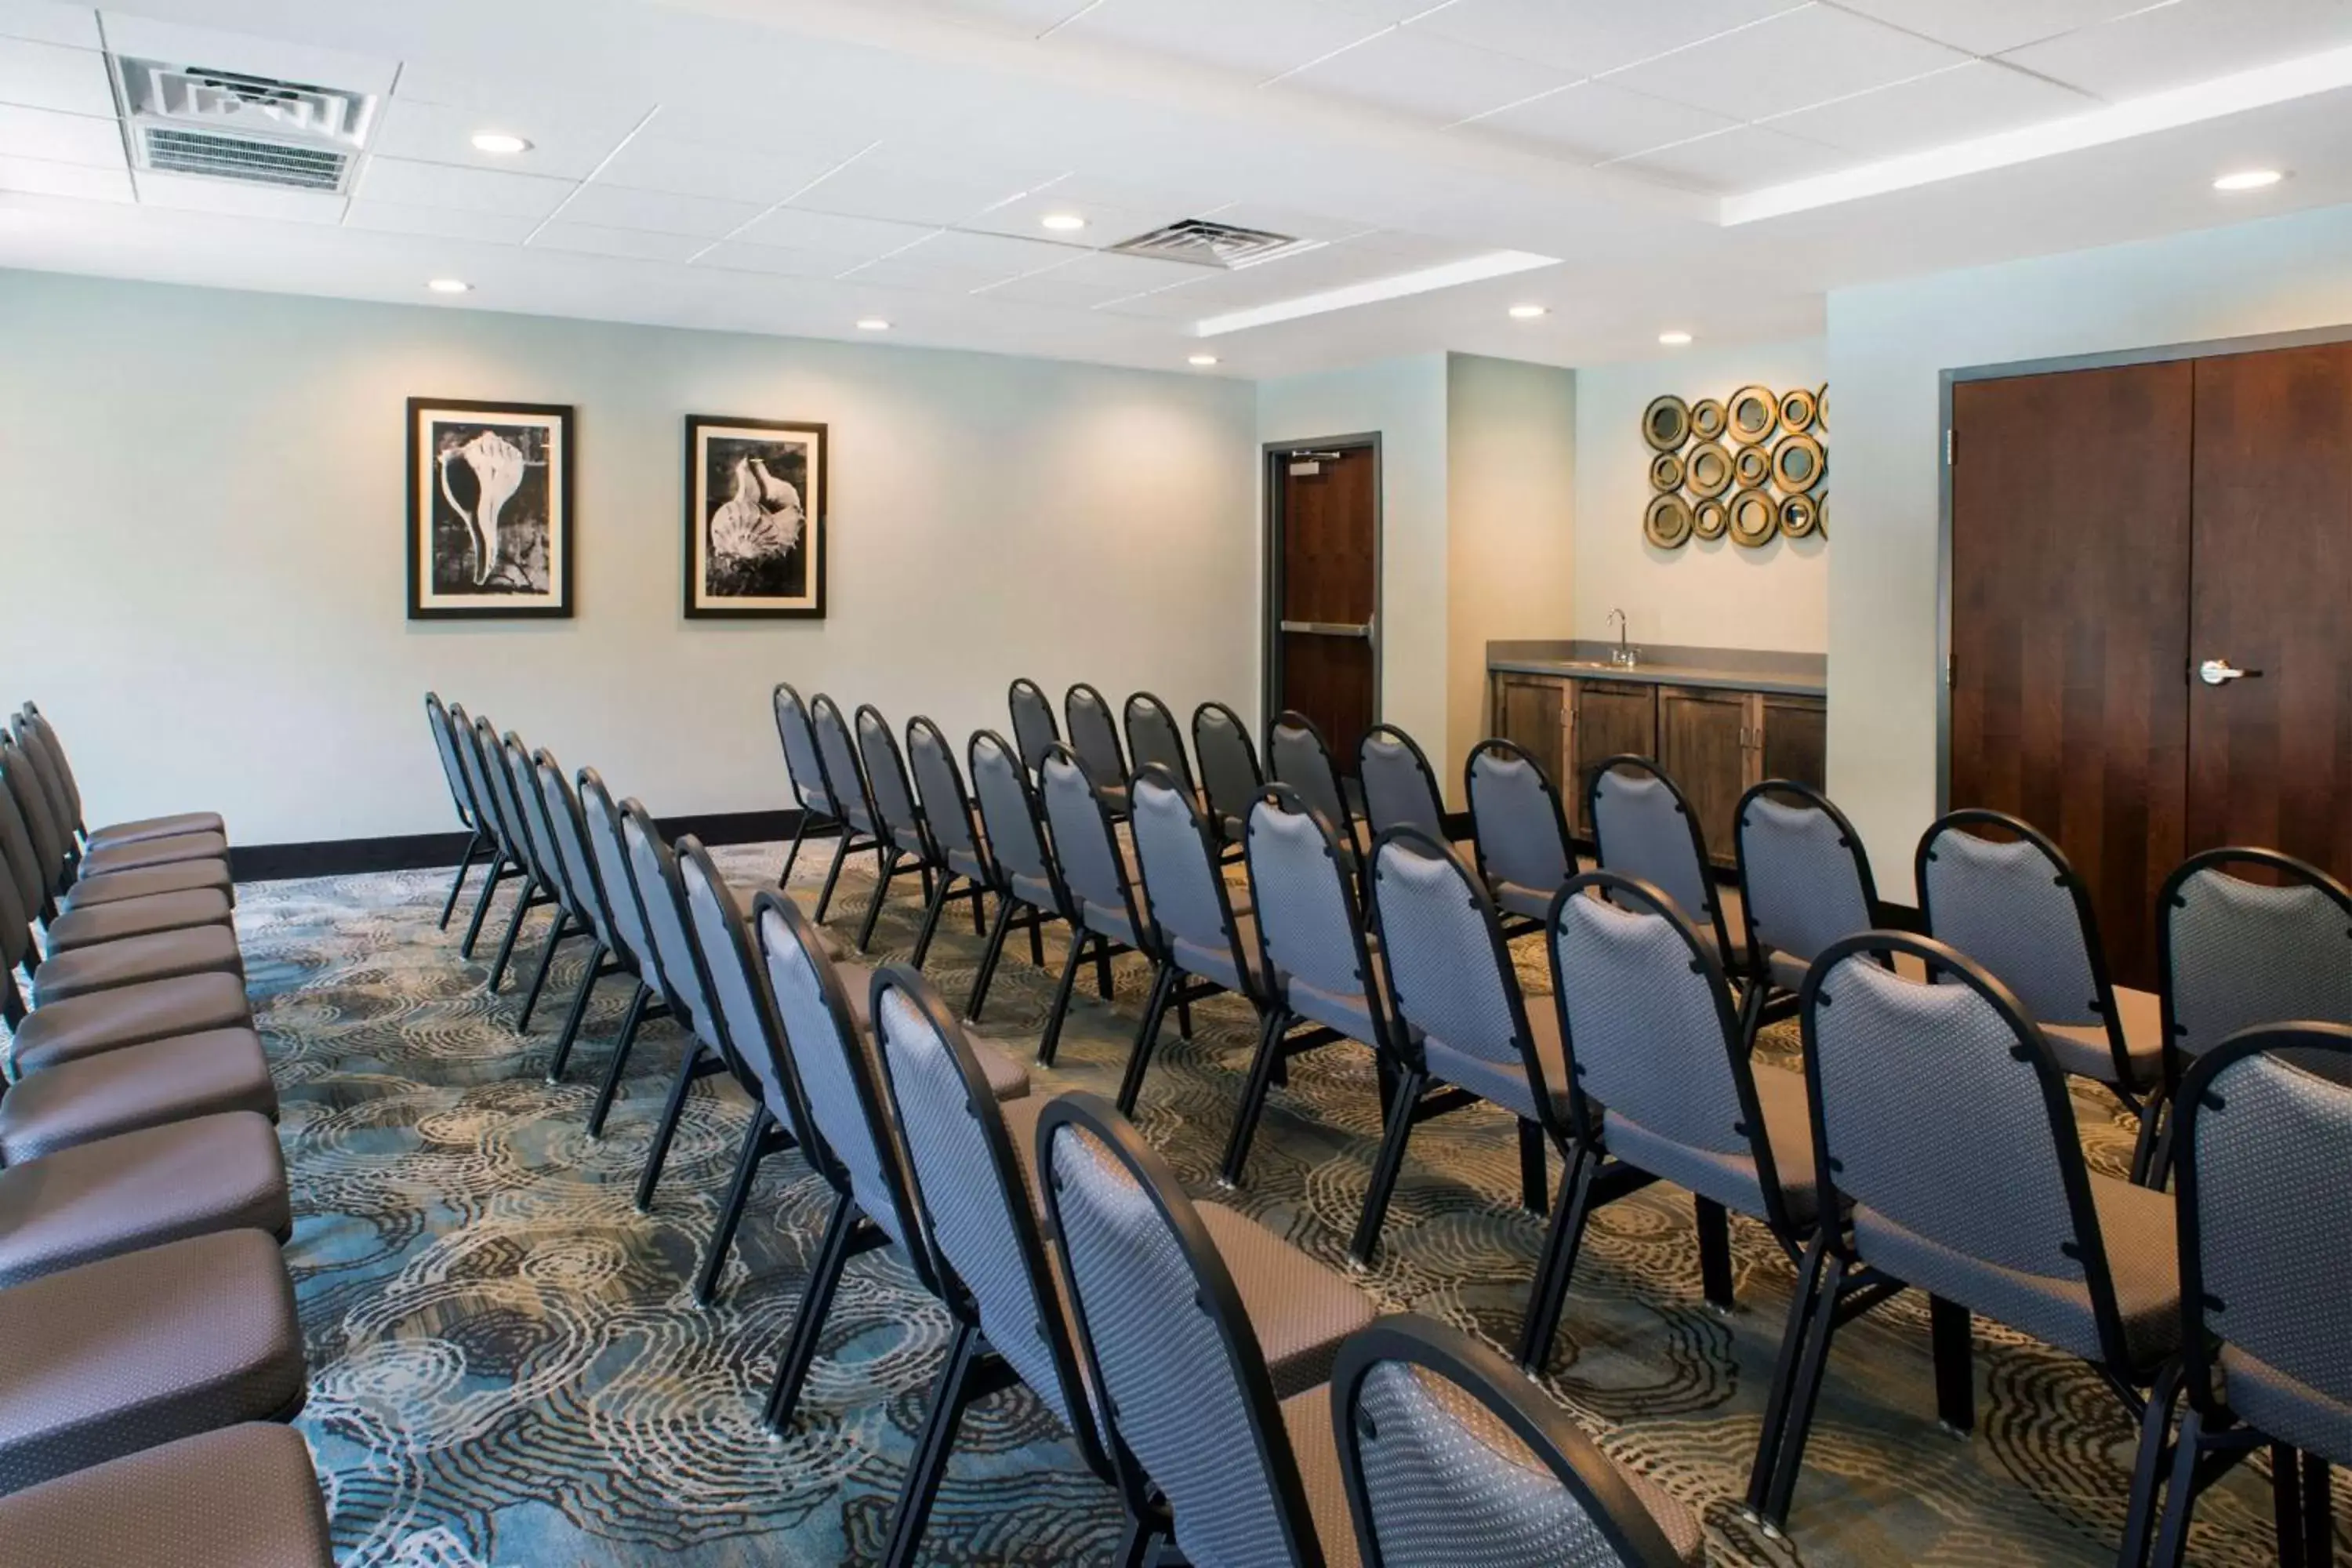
{"x":1610,"y":717}
{"x":1702,"y":746}
{"x":1532,"y":709}
{"x":1794,"y":742}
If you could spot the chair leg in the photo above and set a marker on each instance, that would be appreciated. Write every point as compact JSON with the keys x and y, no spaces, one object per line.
{"x":1534,"y":1178}
{"x":557,"y":930}
{"x":1164,"y":979}
{"x":2181,"y":1490}
{"x":621,"y":1044}
{"x":792,"y":853}
{"x":2144,"y":1168}
{"x":1385,"y":1167}
{"x":671,"y":1113}
{"x":808,"y":1324}
{"x":1102,"y":968}
{"x":1184,"y":1017}
{"x":747,"y":1167}
{"x":1715,"y":1254}
{"x":1804,"y":1394}
{"x":1139,"y":1546}
{"x":887,"y":870}
{"x":1956,"y":1390}
{"x":988,"y":957}
{"x":577,"y":1013}
{"x":832,"y":874}
{"x":1556,"y":1267}
{"x":931,"y":912}
{"x":482,"y":905}
{"x":524,"y":903}
{"x":1784,"y":1372}
{"x":2318,"y":1516}
{"x":2148,"y":1467}
{"x":1253,"y":1106}
{"x":1052,"y":1042}
{"x":1037,"y":940}
{"x":933,"y":1448}
{"x":979,"y":910}
{"x":458,"y":883}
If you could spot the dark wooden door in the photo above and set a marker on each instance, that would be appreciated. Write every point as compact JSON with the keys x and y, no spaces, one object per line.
{"x":1326,"y":554}
{"x":1794,"y":739}
{"x":2069,"y":583}
{"x":2269,"y":755}
{"x":1611,"y":718}
{"x":1703,"y":736}
{"x":1532,"y":709}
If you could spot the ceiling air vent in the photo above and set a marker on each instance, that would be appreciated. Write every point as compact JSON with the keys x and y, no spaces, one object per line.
{"x":1207,"y":244}
{"x":228,"y":125}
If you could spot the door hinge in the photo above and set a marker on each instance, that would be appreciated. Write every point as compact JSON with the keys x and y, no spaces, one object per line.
{"x":1951,"y":671}
{"x":1951,"y":445}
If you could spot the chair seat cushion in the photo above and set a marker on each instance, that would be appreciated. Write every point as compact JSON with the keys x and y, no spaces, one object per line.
{"x":139,"y":917}
{"x":1306,"y":1418}
{"x":129,"y":1015}
{"x":2283,"y":1406}
{"x":1505,"y":1083}
{"x":1515,"y":899}
{"x":178,"y":877}
{"x":148,"y":827}
{"x":1007,"y":1077}
{"x":1299,"y":1308}
{"x":1730,"y":1179}
{"x":137,"y":1086}
{"x":162,"y":955}
{"x":140,"y":1190}
{"x":1216,"y":962}
{"x":2083,"y":1049}
{"x":140,"y":1350}
{"x":244,"y":1497}
{"x":138,"y":852}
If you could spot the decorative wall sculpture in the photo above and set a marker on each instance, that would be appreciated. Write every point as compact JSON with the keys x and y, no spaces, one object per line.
{"x":755,"y":519}
{"x":1752,"y":466}
{"x":489,"y":508}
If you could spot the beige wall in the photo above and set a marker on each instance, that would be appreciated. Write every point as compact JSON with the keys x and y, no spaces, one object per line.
{"x":204,"y":522}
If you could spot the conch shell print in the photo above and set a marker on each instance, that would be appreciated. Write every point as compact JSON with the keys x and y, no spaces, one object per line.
{"x":498,"y":465}
{"x":761,"y":522}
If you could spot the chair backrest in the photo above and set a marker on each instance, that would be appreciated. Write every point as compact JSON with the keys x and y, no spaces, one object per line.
{"x":45,"y":843}
{"x":1514,"y":818}
{"x":1170,"y":1345}
{"x":1229,"y":770}
{"x":29,"y":882}
{"x":1086,"y":845}
{"x":947,"y":806}
{"x":1804,"y":877}
{"x":531,"y":807}
{"x":1449,"y":973}
{"x":2235,"y":952}
{"x":801,"y":763}
{"x":654,"y":868}
{"x":568,"y":827}
{"x":2019,"y":909}
{"x":1451,"y":1455}
{"x":33,"y":732}
{"x":974,"y":1196}
{"x":1034,"y":728}
{"x":845,"y":776}
{"x":1009,"y":812}
{"x":1297,"y":755}
{"x":1643,"y":826}
{"x":1192,"y":910}
{"x":1890,"y":1062}
{"x":892,"y":792}
{"x":1153,"y":736}
{"x":618,"y":878}
{"x":1310,"y":930}
{"x":839,"y":1079}
{"x":1398,"y":789}
{"x":1094,"y":735}
{"x":487,"y":815}
{"x":741,"y":1008}
{"x":2264,"y":1149}
{"x":32,"y":718}
{"x":436,"y":719}
{"x":520,"y":840}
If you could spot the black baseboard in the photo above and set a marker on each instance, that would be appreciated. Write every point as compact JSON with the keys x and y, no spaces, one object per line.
{"x":416,"y":851}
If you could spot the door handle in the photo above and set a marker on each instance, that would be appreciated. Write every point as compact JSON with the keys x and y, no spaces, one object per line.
{"x":2220,"y":672}
{"x":1329,"y":629}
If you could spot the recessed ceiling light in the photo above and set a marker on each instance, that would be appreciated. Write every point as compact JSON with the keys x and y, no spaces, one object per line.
{"x":1673,"y":339}
{"x":1202,"y":360}
{"x":1449,"y":275}
{"x":450,"y":286}
{"x":1528,"y":313}
{"x":500,"y":142}
{"x":1063,"y":223}
{"x":872,"y":324}
{"x":2248,"y":180}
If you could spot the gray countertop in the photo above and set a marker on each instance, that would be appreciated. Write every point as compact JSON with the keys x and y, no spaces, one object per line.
{"x":1738,"y":669}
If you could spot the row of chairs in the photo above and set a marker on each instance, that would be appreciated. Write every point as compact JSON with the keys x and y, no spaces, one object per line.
{"x":152,"y":1352}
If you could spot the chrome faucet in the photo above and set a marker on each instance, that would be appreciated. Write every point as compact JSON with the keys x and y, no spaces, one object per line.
{"x":1624,"y":655}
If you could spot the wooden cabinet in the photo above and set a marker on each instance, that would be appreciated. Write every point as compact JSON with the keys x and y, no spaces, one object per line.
{"x":1794,"y":738}
{"x":1704,"y":735}
{"x":1532,"y":711}
{"x":1607,"y":719}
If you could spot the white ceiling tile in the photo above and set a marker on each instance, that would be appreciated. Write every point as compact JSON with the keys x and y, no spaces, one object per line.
{"x":1745,"y":157}
{"x":1027,"y":16}
{"x":1795,"y":59}
{"x":1429,"y":75}
{"x":1260,"y":39}
{"x":1106,"y":224}
{"x":1296,"y":222}
{"x":1594,"y":35}
{"x":735,"y":256}
{"x":60,"y":138}
{"x":39,"y":176}
{"x":990,"y":255}
{"x":830,"y":234}
{"x":1180,"y":303}
{"x":1416,"y":249}
{"x":1129,"y":274}
{"x":1988,"y":26}
{"x":49,"y":23}
{"x":1054,"y":289}
{"x":916,"y":186}
{"x":634,"y":244}
{"x":562,"y":145}
{"x":49,"y":76}
{"x":1598,"y":120}
{"x":439,"y":223}
{"x":151,"y":39}
{"x":658,"y":212}
{"x":892,"y":273}
{"x":722,"y":171}
{"x":2194,"y":40}
{"x":235,"y":198}
{"x":1975,"y":99}
{"x":471,"y":190}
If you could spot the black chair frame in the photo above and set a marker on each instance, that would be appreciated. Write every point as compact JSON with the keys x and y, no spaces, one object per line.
{"x":1513,"y":925}
{"x":1013,"y":911}
{"x":807,"y":819}
{"x":1083,"y":938}
{"x":1761,"y":1002}
{"x":1714,"y":911}
{"x":461,"y":796}
{"x":1231,"y":826}
{"x":946,"y":892}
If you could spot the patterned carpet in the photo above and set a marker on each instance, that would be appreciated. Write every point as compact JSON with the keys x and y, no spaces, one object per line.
{"x":507,"y":1367}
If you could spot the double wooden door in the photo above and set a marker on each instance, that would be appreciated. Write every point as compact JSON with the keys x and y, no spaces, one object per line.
{"x":1325,"y":551}
{"x":2151,"y":574}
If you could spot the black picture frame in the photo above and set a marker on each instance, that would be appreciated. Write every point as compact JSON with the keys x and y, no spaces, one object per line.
{"x":767,"y":468}
{"x":525,"y":577}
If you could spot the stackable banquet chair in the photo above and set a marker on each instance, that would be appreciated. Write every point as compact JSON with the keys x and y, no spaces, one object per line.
{"x":1399,"y":790}
{"x":1211,"y":1341}
{"x":571,"y":897}
{"x":1451,"y":1456}
{"x":1520,"y":832}
{"x":1094,"y":738}
{"x":1662,"y":1085}
{"x":815,"y":811}
{"x":1643,"y":827}
{"x":1298,"y":755}
{"x":461,"y":798}
{"x":1229,"y":770}
{"x":541,"y":887}
{"x":79,"y":887}
{"x":2263,"y":1129}
{"x":120,"y":847}
{"x":1034,"y":728}
{"x":2015,"y":906}
{"x":1804,"y":882}
{"x":955,"y":830}
{"x":1918,"y":1087}
{"x":1096,"y":876}
{"x":608,"y":952}
{"x":898,"y":821}
{"x":31,"y":725}
{"x":78,"y":911}
{"x":640,"y":958}
{"x":105,"y":1516}
{"x":1030,"y":890}
{"x":1153,"y":736}
{"x":845,"y":782}
{"x":506,"y":859}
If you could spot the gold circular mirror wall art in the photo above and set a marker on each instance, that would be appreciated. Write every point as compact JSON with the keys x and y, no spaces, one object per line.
{"x":1798,"y":464}
{"x":1746,"y":467}
{"x":1665,"y":424}
{"x":1799,"y":516}
{"x":1799,"y":409}
{"x":1752,"y":468}
{"x":1667,"y":522}
{"x":1709,"y":519}
{"x":1754,"y":519}
{"x":1821,"y":514}
{"x":1666,"y":471}
{"x":1750,"y":415}
{"x":1707,"y":418}
{"x":1708,"y":470}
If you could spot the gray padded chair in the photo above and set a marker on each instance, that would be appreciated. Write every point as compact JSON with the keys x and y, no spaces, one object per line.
{"x":2265,"y":1163}
{"x":128,"y":1015}
{"x":567,"y":829}
{"x":1918,"y":1090}
{"x":506,"y":856}
{"x":1399,"y":790}
{"x":2015,"y":906}
{"x":641,"y":958}
{"x":1094,"y":736}
{"x":1034,"y":728}
{"x":1452,"y":1457}
{"x":538,"y":889}
{"x":898,"y":821}
{"x":1030,"y":890}
{"x":461,"y":797}
{"x":955,"y":832}
{"x":1662,"y":1084}
{"x":1298,"y":755}
{"x":243,"y":1497}
{"x":1520,"y":833}
{"x":1643,"y":826}
{"x":40,"y":853}
{"x":1097,"y":877}
{"x":653,"y":865}
{"x":1804,"y":882}
{"x":34,"y":730}
{"x":1230,"y":776}
{"x":811,"y":801}
{"x":135,"y":1087}
{"x":845,"y":782}
{"x":1220,"y":1402}
{"x":571,"y":898}
{"x":1154,"y":737}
